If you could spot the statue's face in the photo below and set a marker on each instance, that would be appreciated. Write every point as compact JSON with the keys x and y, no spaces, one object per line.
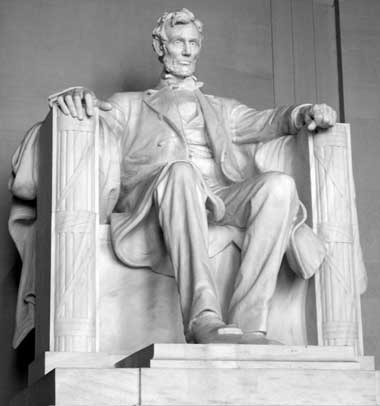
{"x":181,"y":50}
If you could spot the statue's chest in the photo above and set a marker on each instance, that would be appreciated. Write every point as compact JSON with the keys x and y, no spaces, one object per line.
{"x":187,"y":105}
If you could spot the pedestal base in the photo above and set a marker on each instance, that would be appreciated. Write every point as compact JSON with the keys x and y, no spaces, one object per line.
{"x":213,"y":374}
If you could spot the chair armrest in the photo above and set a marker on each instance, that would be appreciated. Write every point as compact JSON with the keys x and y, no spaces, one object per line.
{"x":333,"y":217}
{"x":68,"y":215}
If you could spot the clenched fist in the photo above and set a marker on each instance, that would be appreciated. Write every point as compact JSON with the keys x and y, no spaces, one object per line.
{"x":317,"y":116}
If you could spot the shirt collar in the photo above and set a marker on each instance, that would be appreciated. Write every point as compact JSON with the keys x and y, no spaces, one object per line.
{"x":190,"y":83}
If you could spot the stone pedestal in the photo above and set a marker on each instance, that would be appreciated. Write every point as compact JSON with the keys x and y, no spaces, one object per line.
{"x":212,"y":374}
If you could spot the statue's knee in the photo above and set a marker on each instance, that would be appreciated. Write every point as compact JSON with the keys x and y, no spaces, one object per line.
{"x":280,"y":186}
{"x":181,"y":172}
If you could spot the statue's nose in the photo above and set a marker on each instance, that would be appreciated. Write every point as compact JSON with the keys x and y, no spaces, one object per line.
{"x":186,"y":50}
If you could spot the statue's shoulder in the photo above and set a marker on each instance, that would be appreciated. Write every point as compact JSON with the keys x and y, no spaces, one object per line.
{"x":125,"y":99}
{"x":222,"y":102}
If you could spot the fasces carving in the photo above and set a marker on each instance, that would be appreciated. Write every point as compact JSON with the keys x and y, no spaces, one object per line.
{"x":333,"y":211}
{"x":74,"y":222}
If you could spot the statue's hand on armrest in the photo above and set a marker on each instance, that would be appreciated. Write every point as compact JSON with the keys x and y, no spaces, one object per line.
{"x":78,"y":101}
{"x":315,"y":117}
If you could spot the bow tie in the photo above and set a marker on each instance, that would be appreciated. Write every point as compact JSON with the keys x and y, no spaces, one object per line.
{"x":190,"y":83}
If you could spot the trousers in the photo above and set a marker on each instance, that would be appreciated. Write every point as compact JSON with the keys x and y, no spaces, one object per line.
{"x":265,"y":206}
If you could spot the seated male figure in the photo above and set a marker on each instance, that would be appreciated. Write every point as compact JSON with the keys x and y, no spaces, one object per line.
{"x":178,"y":160}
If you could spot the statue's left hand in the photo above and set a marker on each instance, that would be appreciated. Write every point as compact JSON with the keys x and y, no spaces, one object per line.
{"x":317,"y":116}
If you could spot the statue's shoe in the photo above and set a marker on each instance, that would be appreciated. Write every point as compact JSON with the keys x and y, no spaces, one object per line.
{"x":209,"y":328}
{"x":258,"y":338}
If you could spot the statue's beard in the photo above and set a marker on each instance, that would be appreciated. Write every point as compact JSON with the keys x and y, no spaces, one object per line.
{"x":174,"y":67}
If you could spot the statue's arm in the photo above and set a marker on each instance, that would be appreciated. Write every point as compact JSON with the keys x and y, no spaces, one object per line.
{"x":253,"y":126}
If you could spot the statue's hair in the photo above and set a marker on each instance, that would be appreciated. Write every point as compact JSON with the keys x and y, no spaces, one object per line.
{"x":171,"y":19}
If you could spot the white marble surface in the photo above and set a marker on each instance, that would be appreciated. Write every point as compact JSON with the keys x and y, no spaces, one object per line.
{"x":160,"y":364}
{"x":241,"y":352}
{"x":257,"y":387}
{"x":342,"y":276}
{"x":213,"y":374}
{"x":83,"y":386}
{"x":48,"y":361}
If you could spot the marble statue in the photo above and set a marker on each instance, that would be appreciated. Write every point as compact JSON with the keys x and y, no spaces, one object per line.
{"x":176,"y":167}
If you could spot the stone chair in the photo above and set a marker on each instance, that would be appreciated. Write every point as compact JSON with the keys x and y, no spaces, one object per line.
{"x":88,"y":302}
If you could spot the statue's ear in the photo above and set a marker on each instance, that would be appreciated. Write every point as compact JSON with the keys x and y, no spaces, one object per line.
{"x":158,"y":46}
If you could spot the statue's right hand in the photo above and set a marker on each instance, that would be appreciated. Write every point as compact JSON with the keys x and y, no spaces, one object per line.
{"x":78,"y":101}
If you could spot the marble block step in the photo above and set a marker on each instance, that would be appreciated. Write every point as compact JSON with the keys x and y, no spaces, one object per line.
{"x":50,"y":360}
{"x":202,"y":387}
{"x":365,"y":364}
{"x":259,"y":387}
{"x":85,"y":387}
{"x":150,"y":355}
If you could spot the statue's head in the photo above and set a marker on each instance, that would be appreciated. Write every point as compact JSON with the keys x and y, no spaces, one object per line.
{"x":177,"y":40}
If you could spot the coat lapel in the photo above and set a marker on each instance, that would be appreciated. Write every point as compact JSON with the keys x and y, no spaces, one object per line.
{"x":162,"y":102}
{"x":215,"y":129}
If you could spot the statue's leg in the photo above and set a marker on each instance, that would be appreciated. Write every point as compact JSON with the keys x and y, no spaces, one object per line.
{"x":180,"y":202}
{"x":266,"y":206}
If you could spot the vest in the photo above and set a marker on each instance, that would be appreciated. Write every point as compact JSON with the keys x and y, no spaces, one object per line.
{"x":194,"y":130}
